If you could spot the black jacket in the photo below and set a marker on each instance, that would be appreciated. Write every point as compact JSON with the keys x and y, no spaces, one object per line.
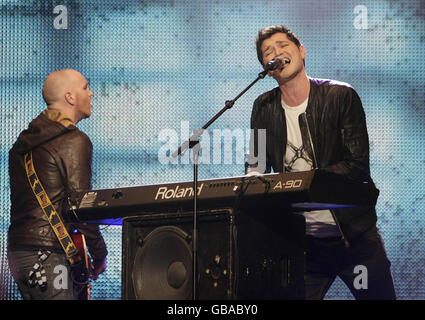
{"x":62,"y":160}
{"x":337,"y":123}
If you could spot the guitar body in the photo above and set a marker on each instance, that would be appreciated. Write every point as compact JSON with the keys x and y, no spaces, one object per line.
{"x":80,"y":244}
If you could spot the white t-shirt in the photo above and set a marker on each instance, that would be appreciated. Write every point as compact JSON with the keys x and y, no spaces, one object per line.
{"x":319,"y":223}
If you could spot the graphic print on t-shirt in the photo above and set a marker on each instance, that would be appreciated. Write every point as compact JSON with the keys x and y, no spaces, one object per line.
{"x":294,"y":154}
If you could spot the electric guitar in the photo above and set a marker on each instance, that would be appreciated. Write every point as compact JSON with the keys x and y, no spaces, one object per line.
{"x":80,"y":243}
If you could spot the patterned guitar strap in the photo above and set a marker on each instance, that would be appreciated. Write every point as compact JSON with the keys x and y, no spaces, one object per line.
{"x":53,"y":217}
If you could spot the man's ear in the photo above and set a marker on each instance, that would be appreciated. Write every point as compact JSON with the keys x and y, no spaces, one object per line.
{"x":69,"y":97}
{"x":303,"y":51}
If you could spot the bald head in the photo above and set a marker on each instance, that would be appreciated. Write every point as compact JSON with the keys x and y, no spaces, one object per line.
{"x":67,"y":91}
{"x":58,"y":83}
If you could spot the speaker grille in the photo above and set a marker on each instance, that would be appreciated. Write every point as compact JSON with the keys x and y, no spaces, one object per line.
{"x":162,"y":267}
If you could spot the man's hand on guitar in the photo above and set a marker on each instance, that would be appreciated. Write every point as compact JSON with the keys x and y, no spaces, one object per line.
{"x":98,"y":266}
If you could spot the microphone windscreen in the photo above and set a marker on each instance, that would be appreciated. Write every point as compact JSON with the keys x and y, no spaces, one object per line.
{"x":278,"y":62}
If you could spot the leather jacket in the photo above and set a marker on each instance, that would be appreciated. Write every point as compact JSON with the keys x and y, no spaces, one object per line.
{"x":62,"y":160}
{"x":337,"y":125}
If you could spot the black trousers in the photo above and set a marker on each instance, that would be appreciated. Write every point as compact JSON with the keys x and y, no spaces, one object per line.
{"x":364,"y":267}
{"x":58,"y":273}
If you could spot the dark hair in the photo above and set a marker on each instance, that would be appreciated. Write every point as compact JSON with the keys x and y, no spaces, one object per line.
{"x":266,"y":33}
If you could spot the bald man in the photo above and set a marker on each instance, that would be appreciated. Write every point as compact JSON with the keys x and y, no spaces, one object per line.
{"x":62,"y":156}
{"x":67,"y":91}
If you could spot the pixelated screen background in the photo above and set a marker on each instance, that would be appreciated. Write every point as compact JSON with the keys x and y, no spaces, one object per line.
{"x":160,"y":67}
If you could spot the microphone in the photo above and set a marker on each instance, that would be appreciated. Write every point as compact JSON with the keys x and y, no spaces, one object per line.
{"x":276,"y":63}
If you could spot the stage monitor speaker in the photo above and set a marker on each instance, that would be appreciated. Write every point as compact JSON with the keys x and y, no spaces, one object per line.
{"x":240,"y":256}
{"x":157,"y":256}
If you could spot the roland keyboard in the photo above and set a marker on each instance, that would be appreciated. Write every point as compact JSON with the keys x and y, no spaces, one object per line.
{"x":305,"y":190}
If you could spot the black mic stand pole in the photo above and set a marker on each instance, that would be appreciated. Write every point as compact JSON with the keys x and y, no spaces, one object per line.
{"x":193,"y":143}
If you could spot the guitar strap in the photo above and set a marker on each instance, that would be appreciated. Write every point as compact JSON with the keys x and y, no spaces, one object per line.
{"x":49,"y":210}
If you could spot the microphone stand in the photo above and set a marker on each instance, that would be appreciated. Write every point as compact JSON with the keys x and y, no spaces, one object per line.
{"x":193,"y":143}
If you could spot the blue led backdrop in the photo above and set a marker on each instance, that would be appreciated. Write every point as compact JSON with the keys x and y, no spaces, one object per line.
{"x":159,"y":69}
